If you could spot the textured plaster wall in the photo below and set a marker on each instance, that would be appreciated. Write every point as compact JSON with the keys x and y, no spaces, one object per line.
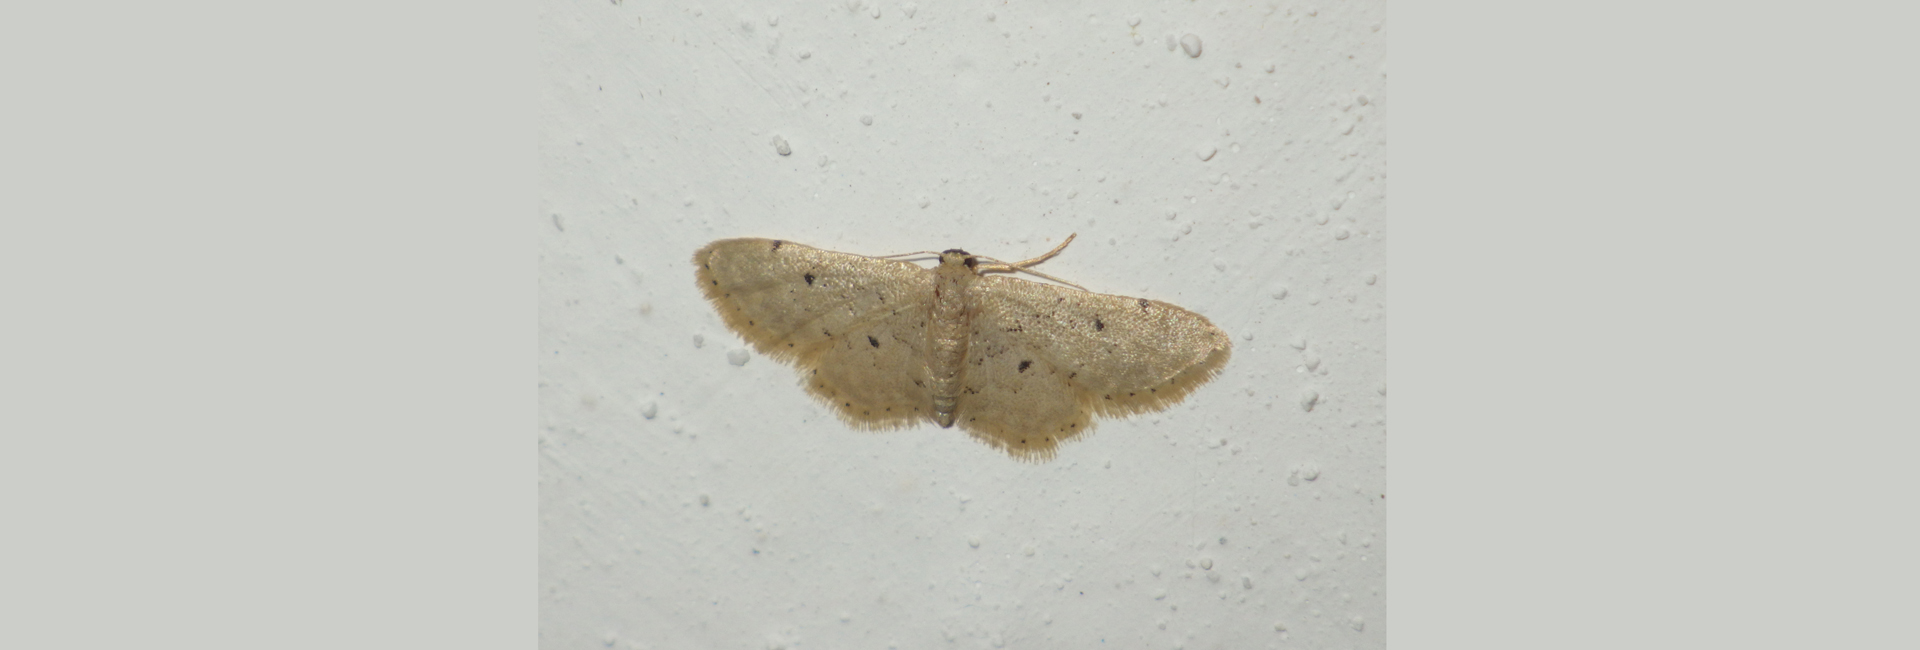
{"x":690,"y":502}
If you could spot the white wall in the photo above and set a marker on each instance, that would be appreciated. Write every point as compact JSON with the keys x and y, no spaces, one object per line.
{"x":687,"y":502}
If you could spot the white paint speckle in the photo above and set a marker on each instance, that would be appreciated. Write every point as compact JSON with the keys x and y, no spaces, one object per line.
{"x":1191,"y":44}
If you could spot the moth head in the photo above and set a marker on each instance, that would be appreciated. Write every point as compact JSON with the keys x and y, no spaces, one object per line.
{"x":957,"y":256}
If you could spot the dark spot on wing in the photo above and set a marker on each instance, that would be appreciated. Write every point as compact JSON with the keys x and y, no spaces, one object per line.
{"x":874,"y":341}
{"x":1024,"y":364}
{"x":1143,"y":303}
{"x":1098,"y":326}
{"x":809,"y":277}
{"x":777,"y":243}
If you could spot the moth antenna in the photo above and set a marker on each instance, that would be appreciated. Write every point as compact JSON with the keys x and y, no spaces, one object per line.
{"x":888,"y":257}
{"x":1049,"y":255}
{"x":1003,"y":267}
{"x":1006,"y":268}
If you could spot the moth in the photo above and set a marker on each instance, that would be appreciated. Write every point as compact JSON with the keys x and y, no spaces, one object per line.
{"x":1020,"y":365}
